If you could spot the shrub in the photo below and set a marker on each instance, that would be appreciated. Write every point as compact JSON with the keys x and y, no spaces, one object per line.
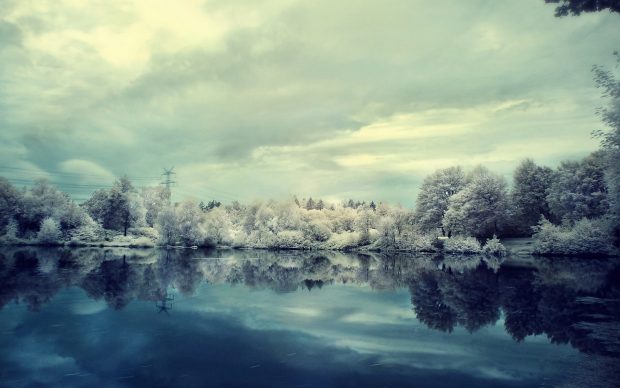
{"x":494,"y":247}
{"x":290,"y":239}
{"x":141,"y":242}
{"x":458,"y":244}
{"x":88,"y":232}
{"x":317,"y":231}
{"x":49,"y":233}
{"x":412,"y":241}
{"x":586,"y":237}
{"x":343,"y":241}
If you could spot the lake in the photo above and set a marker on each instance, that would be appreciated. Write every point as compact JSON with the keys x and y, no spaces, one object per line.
{"x":95,"y":317}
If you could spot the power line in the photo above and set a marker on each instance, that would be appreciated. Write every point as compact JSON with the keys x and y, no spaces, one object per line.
{"x":69,"y":174}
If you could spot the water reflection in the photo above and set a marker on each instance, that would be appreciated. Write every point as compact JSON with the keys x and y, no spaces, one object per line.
{"x":570,"y":301}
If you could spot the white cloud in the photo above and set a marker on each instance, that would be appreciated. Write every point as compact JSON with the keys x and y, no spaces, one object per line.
{"x":259,"y":99}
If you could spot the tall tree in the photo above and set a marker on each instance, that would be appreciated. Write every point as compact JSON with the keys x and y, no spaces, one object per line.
{"x":480,"y":209}
{"x":578,"y":189}
{"x":610,"y":139}
{"x":529,"y":194}
{"x":10,"y":200}
{"x":118,"y":208}
{"x":435,"y":193}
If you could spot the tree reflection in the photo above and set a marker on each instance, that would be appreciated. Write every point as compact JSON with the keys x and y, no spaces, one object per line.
{"x":570,"y":301}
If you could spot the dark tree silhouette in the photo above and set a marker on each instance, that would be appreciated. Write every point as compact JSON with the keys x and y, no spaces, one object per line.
{"x":576,"y":7}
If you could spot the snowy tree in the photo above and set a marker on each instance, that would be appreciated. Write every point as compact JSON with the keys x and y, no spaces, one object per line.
{"x":387,"y":232}
{"x":578,"y":189}
{"x":97,"y":206}
{"x":189,"y":219}
{"x":610,"y":139}
{"x":529,"y":194}
{"x":217,"y":226}
{"x":434,"y":196}
{"x":119,"y":208}
{"x":10,"y":202}
{"x":167,"y":226}
{"x":364,"y":222}
{"x":155,"y":199}
{"x":49,"y":233}
{"x":480,"y":209}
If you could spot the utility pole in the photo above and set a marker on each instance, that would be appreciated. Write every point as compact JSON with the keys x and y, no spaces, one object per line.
{"x":168,"y":182}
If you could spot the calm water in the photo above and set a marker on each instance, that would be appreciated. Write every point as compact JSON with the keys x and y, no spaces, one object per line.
{"x":114,"y":318}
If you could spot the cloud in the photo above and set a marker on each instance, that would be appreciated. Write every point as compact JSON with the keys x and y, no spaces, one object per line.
{"x":287,"y":97}
{"x":85,"y":169}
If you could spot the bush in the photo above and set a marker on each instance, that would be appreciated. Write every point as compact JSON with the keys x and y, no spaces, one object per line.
{"x":343,"y":241}
{"x":290,"y":239}
{"x":412,"y":241}
{"x":150,"y":233}
{"x":89,"y":232}
{"x":457,"y":244}
{"x":141,"y":242}
{"x":317,"y":231}
{"x":494,"y":247}
{"x":586,"y":237}
{"x":49,"y":233}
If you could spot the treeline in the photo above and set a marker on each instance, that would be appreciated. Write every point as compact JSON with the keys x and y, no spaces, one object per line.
{"x":125,"y":216}
{"x":569,"y":210}
{"x":569,"y":205}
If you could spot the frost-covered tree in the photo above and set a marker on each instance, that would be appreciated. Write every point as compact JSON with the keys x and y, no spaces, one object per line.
{"x":10,"y":202}
{"x":97,"y":206}
{"x":387,"y":232}
{"x":434,"y":196}
{"x":610,"y":139}
{"x":44,"y":200}
{"x":480,"y":209}
{"x":155,"y":199}
{"x":49,"y":233}
{"x":167,"y":226}
{"x":189,"y":218}
{"x":217,"y":226}
{"x":119,"y":208}
{"x":529,"y":194}
{"x":365,"y":220}
{"x":578,"y":189}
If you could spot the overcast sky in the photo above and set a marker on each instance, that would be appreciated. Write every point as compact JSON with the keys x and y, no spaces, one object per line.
{"x":258,"y":99}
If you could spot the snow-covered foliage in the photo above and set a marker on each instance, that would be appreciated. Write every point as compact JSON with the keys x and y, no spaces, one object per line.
{"x":493,"y":247}
{"x":461,"y":245}
{"x":585,"y":237}
{"x":49,"y":232}
{"x":480,"y":209}
{"x":433,"y":200}
{"x":578,"y":189}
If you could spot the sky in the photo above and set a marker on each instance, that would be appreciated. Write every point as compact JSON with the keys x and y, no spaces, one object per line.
{"x":271,"y":98}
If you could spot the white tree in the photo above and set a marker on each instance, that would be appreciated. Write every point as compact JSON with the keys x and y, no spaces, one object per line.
{"x":167,"y":226}
{"x":480,"y":209}
{"x":154,"y":199}
{"x":529,"y":194}
{"x":49,"y":233}
{"x":218,"y":226}
{"x":189,"y":219}
{"x":434,"y":196}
